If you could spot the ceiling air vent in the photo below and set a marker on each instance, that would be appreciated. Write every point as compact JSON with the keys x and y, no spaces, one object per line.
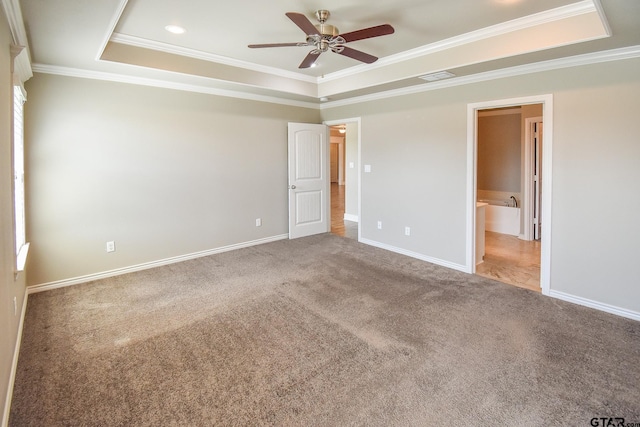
{"x":440,"y":75}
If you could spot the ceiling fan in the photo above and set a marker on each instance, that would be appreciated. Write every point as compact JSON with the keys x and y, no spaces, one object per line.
{"x":324,"y":37}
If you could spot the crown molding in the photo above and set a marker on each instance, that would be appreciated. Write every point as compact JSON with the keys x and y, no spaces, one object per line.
{"x":166,"y":84}
{"x":630,"y":52}
{"x":16,"y":24}
{"x":20,"y":50}
{"x":552,"y":15}
{"x":205,"y":56}
{"x":111,"y":27}
{"x":603,"y":17}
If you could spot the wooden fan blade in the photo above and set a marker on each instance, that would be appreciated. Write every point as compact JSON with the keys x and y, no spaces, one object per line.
{"x":356,"y":54}
{"x":310,"y":59}
{"x":276,"y":45}
{"x":366,"y":33}
{"x":303,"y":23}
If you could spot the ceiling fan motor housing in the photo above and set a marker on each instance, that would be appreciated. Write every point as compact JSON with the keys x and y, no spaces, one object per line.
{"x":327,"y":30}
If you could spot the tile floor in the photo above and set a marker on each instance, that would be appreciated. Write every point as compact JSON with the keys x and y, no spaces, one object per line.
{"x":511,"y":260}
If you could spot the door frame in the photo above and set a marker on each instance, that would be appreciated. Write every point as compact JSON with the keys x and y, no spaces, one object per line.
{"x":528,"y":175}
{"x":358,"y":121}
{"x":472,"y":170}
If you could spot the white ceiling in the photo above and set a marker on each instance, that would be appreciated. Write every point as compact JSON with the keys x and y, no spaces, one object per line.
{"x":126,"y":39}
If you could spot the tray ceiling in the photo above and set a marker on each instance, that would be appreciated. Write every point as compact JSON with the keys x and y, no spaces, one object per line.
{"x":126,"y":40}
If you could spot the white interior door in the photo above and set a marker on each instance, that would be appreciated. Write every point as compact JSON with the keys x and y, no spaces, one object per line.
{"x":309,"y":186}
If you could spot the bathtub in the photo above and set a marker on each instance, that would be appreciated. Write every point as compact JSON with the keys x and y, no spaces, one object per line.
{"x":500,"y":217}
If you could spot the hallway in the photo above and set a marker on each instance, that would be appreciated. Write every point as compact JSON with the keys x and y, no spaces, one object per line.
{"x":339,"y":226}
{"x":510,"y":260}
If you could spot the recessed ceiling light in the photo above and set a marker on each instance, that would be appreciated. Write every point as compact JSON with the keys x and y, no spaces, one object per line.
{"x":314,"y":65}
{"x":175,"y":29}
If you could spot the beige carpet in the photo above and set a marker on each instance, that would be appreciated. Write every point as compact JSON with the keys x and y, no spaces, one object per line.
{"x":320,"y":331}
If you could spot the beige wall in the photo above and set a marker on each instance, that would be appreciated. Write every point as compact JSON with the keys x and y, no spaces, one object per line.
{"x":166,"y":173}
{"x":416,"y":149}
{"x":10,"y":288}
{"x":596,"y":171}
{"x":416,"y":145}
{"x":162,"y":173}
{"x":499,"y":163}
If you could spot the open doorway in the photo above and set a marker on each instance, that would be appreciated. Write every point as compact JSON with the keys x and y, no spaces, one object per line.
{"x":344,"y":143}
{"x":500,"y":187}
{"x":507,"y":187}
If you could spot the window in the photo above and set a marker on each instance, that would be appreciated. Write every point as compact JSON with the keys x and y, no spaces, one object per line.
{"x":22,"y":246}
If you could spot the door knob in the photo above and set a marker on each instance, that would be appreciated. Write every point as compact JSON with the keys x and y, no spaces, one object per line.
{"x":293,"y":187}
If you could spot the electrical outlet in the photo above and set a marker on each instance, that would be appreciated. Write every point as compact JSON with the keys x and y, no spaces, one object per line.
{"x":407,"y":231}
{"x":258,"y":222}
{"x":379,"y":225}
{"x":111,"y":246}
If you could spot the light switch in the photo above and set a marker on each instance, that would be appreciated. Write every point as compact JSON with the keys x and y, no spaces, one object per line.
{"x":351,"y":165}
{"x":367,"y":168}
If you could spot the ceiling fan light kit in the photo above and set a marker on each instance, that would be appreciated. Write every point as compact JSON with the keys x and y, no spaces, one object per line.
{"x":324,"y":37}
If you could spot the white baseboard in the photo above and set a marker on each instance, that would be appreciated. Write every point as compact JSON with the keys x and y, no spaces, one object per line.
{"x":419,"y":256}
{"x":618,"y":311}
{"x":630,"y":314}
{"x":350,"y":217}
{"x":147,"y":265}
{"x":14,"y":364}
